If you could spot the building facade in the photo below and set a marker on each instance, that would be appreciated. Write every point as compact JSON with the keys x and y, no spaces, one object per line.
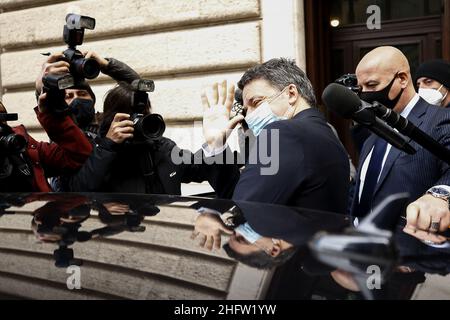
{"x":183,"y":45}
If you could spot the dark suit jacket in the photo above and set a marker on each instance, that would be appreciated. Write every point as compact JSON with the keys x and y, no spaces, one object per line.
{"x":313,"y":167}
{"x":416,"y":173}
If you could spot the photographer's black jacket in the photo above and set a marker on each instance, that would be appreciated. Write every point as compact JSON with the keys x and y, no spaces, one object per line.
{"x":117,"y":168}
{"x":121,"y":168}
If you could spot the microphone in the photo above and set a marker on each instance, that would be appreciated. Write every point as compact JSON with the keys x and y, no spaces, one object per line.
{"x":347,"y":104}
{"x":408,"y":129}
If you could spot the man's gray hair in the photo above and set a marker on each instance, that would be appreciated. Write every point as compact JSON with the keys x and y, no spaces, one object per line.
{"x":280,"y":73}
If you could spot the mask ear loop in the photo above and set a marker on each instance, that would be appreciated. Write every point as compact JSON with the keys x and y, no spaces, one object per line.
{"x":439,"y":89}
{"x":276,"y":97}
{"x":272,"y":99}
{"x":445,"y":96}
{"x":291,"y":107}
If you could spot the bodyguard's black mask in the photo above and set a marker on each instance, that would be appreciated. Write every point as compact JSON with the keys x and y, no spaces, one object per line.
{"x":382,"y":96}
{"x":84,"y":111}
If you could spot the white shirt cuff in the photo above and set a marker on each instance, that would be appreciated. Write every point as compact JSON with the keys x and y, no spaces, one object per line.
{"x":208,"y":210}
{"x":211,"y":153}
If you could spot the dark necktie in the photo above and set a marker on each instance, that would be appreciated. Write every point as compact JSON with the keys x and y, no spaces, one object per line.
{"x":373,"y":172}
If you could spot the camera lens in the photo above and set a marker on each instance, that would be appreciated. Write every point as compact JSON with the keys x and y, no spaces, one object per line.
{"x":87,"y":68}
{"x":151,"y":126}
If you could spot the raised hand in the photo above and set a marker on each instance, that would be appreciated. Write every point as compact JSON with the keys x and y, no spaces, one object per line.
{"x":217,"y":125}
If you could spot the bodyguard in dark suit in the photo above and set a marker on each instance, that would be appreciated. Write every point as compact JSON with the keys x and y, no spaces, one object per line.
{"x":296,"y":159}
{"x":416,"y":173}
{"x":384,"y":76}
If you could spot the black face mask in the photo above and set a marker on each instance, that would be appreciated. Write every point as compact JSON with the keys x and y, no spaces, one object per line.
{"x":84,"y":111}
{"x":382,"y":96}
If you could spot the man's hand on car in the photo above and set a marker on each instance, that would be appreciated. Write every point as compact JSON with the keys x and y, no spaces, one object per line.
{"x":209,"y":226}
{"x":428,"y":213}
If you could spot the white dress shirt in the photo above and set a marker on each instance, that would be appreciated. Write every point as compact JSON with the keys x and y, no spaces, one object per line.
{"x":365,"y":165}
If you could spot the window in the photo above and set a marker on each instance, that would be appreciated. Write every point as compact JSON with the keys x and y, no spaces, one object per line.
{"x":348,"y":12}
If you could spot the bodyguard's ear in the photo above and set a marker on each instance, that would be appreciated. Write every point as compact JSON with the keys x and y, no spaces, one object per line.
{"x":404,"y":79}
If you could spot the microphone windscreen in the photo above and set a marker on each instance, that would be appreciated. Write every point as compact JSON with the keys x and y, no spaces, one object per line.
{"x":341,"y":100}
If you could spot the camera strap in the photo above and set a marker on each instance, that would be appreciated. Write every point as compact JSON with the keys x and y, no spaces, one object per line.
{"x":147,"y":168}
{"x":21,"y":164}
{"x":6,"y":168}
{"x":16,"y":175}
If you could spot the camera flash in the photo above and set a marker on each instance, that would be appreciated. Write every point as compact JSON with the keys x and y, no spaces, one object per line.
{"x":66,"y":82}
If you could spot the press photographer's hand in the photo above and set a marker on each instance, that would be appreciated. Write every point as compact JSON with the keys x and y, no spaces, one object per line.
{"x":94,"y":55}
{"x":53,"y":65}
{"x":41,"y":102}
{"x":217,"y":125}
{"x":121,"y":128}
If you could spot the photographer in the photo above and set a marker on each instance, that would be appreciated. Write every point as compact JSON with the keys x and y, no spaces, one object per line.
{"x":120,"y":163}
{"x":28,"y":168}
{"x":81,"y":99}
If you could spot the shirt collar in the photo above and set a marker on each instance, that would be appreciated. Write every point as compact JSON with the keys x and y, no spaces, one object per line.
{"x":405,"y":113}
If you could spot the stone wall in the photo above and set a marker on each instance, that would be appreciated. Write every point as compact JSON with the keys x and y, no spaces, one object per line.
{"x":182,"y":44}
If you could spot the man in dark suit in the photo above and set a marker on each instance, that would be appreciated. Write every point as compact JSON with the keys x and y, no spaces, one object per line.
{"x":308,"y":166}
{"x":384,"y":76}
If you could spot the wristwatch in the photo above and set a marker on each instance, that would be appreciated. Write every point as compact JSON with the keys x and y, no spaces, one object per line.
{"x":440,"y":193}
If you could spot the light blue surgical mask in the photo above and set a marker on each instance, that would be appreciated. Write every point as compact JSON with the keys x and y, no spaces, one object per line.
{"x":248,"y":233}
{"x":260,"y":118}
{"x":263,"y":116}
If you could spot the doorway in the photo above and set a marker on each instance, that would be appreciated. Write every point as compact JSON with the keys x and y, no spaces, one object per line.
{"x":337,"y":37}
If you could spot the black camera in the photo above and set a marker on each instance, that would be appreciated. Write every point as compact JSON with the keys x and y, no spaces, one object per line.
{"x":11,"y":147}
{"x":55,"y":85}
{"x":350,"y":81}
{"x":146,"y":127}
{"x":238,"y":107}
{"x":73,"y":35}
{"x":10,"y":143}
{"x":80,"y":68}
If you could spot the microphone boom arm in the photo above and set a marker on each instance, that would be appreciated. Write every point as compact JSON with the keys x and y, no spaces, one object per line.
{"x":369,"y":119}
{"x":407,"y":128}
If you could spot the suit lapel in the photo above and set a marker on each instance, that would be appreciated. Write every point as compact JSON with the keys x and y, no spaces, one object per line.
{"x":415,"y":117}
{"x":368,"y":145}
